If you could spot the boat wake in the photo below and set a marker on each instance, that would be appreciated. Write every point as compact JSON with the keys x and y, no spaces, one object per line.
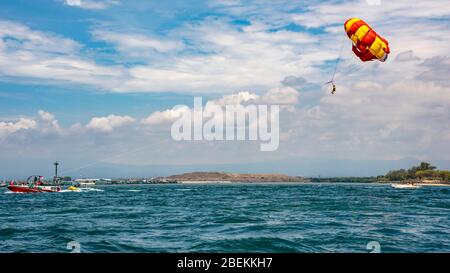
{"x":82,"y":190}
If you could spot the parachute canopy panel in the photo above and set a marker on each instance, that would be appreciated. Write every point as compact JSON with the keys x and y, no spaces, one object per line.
{"x":367,"y":44}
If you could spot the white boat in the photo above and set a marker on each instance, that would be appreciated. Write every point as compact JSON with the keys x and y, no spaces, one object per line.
{"x":405,"y":186}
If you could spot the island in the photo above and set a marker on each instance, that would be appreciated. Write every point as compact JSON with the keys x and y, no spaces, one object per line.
{"x":423,"y":174}
{"x":202,"y":177}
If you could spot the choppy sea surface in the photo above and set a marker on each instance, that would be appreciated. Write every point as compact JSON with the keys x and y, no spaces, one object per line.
{"x":228,"y":218}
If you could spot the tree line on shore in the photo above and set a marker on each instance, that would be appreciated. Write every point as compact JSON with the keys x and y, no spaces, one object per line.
{"x":423,"y":171}
{"x":420,"y":172}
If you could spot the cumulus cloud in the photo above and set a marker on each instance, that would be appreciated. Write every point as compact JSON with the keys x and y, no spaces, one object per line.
{"x":280,"y":95}
{"x":237,"y":98}
{"x":44,"y":123}
{"x":48,"y":124}
{"x":284,"y":96}
{"x":46,"y":116}
{"x":166,"y":116}
{"x":363,"y":120}
{"x":7,"y":128}
{"x":370,"y":120}
{"x":108,"y":123}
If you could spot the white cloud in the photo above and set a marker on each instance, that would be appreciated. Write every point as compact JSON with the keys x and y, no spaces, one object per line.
{"x":276,"y":96}
{"x":31,"y":54}
{"x":237,"y":98}
{"x":48,"y":124}
{"x":137,"y":44}
{"x":73,"y":2}
{"x":381,"y":110}
{"x":363,"y":120}
{"x":18,"y":38}
{"x":108,"y":123}
{"x":46,"y":116}
{"x":337,"y":12}
{"x":369,"y":120}
{"x":281,"y":95}
{"x":92,"y":4}
{"x":254,"y":57}
{"x":234,"y":58}
{"x":164,"y":117}
{"x":170,"y":115}
{"x":7,"y":128}
{"x":44,"y":124}
{"x":216,"y":55}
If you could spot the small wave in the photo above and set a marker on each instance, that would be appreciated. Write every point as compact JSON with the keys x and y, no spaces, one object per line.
{"x":90,"y":189}
{"x":134,"y":190}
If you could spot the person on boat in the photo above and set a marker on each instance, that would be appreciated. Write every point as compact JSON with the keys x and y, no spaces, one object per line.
{"x":39,"y":181}
{"x":36,"y":181}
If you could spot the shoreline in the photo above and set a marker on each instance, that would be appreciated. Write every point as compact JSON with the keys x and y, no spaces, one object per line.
{"x":433,"y":184}
{"x":269,"y":182}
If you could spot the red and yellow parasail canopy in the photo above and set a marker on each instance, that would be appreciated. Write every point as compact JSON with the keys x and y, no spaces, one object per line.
{"x":367,"y":44}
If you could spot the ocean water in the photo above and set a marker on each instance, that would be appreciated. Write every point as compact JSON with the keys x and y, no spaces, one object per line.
{"x":228,"y":218}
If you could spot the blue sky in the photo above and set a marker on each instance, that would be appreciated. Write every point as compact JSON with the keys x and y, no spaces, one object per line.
{"x":65,"y":65}
{"x":58,"y":18}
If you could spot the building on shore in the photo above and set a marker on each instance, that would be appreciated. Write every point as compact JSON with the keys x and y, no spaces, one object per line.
{"x":91,"y":181}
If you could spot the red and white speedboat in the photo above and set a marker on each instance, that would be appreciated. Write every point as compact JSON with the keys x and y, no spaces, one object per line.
{"x":33,"y":188}
{"x":34,"y":184}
